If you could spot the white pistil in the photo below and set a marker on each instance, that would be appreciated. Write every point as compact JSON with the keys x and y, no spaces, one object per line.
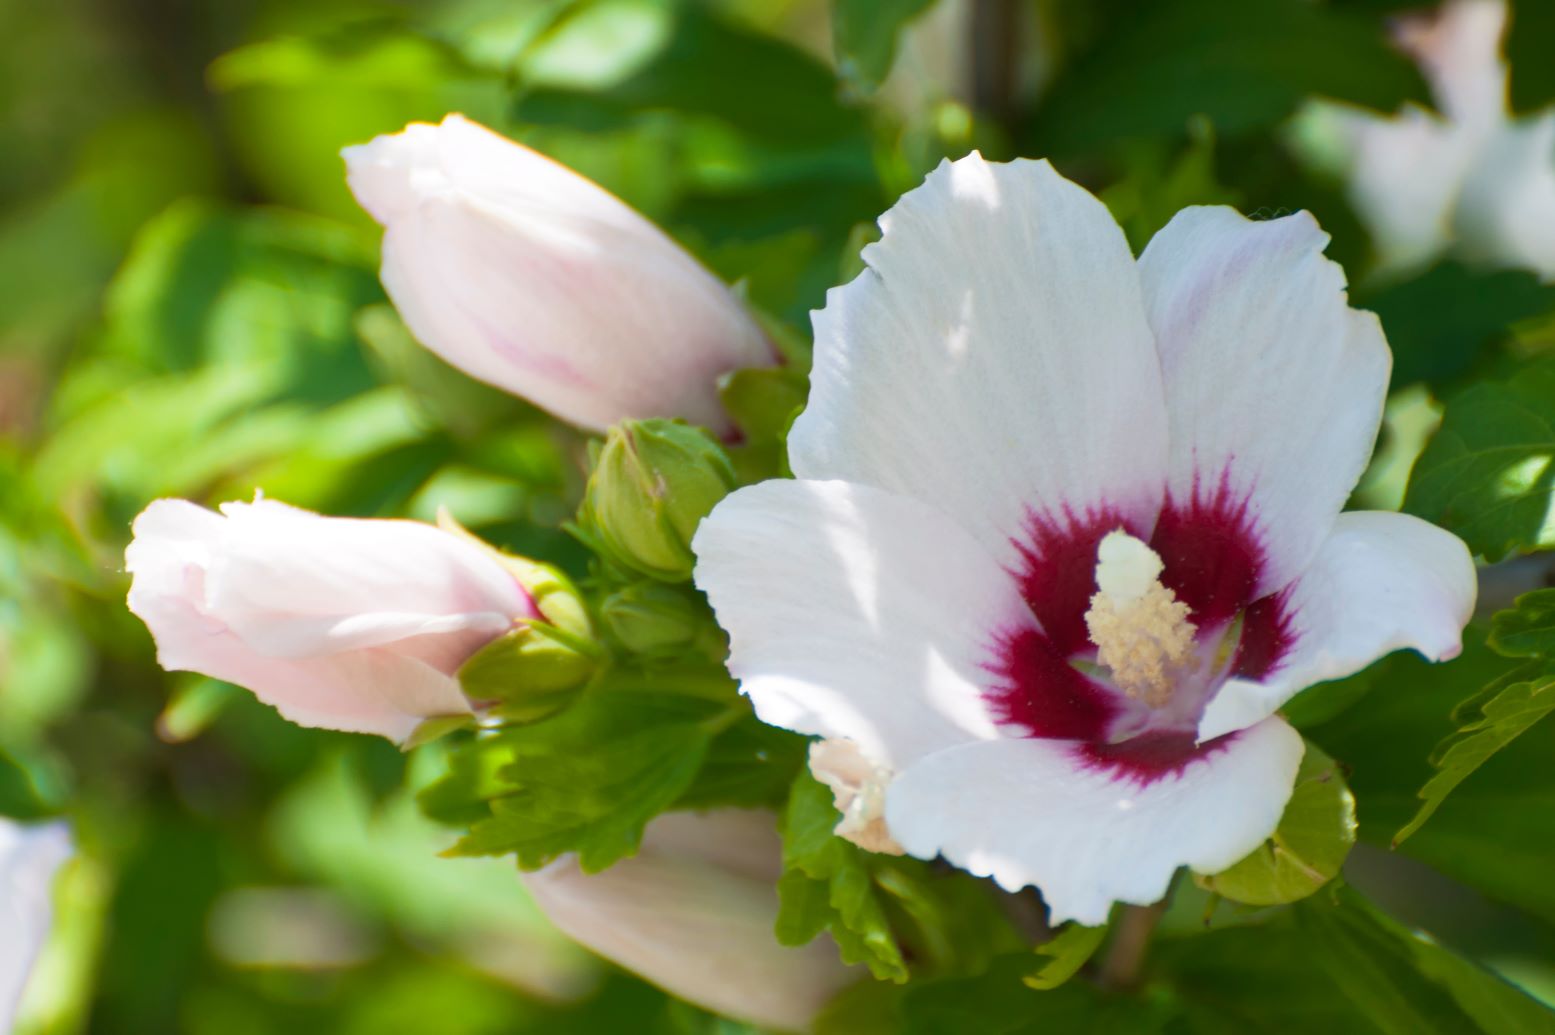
{"x":858,"y":790}
{"x":1140,"y":629}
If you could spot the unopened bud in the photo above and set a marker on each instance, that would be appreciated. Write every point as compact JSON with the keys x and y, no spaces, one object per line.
{"x":653,"y":482}
{"x":652,"y":618}
{"x":533,"y":672}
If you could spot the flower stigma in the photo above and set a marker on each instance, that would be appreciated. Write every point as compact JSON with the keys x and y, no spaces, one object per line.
{"x":1140,"y":629}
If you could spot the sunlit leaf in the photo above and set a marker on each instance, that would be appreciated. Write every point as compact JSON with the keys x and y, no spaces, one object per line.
{"x":591,"y":779}
{"x":1306,"y":850}
{"x":1487,"y":474}
{"x":864,"y":35}
{"x":1066,"y":953}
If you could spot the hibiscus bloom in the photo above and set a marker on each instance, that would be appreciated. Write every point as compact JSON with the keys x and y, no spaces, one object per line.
{"x":1066,"y":533}
{"x":1469,"y":177}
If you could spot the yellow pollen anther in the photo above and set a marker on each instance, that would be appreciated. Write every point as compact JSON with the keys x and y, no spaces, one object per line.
{"x":1140,"y":629}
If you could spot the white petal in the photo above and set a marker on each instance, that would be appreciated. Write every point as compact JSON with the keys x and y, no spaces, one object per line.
{"x":1507,"y":213}
{"x":1274,"y":384}
{"x":993,"y":359}
{"x":1039,"y":812}
{"x":293,"y":583}
{"x":361,"y":691}
{"x":856,"y":613}
{"x":684,"y":918}
{"x":30,"y":856}
{"x":1381,"y":582}
{"x":1404,"y":182}
{"x":1458,"y":48}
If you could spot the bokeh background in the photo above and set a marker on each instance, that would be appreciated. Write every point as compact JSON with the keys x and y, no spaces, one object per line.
{"x":191,"y":308}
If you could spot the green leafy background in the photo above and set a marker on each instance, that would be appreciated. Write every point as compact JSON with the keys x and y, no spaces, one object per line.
{"x":192,"y":309}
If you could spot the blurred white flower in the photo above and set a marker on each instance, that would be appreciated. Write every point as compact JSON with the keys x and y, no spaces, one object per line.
{"x":1471,"y":178}
{"x":30,"y":856}
{"x":343,"y":623}
{"x":1066,"y":533}
{"x":693,"y":912}
{"x":522,"y":273}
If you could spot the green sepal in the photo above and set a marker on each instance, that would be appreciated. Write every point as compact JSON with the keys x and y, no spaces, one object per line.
{"x":658,"y":620}
{"x":762,"y":401}
{"x":435,"y":728}
{"x":1306,"y":850}
{"x":652,"y":618}
{"x":532,"y":672}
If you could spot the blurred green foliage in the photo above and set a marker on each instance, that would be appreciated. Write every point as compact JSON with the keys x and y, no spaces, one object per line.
{"x":192,"y":309}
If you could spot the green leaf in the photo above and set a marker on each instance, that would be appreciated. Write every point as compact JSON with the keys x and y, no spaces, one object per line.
{"x":998,"y":1002}
{"x":1306,"y":850}
{"x":1439,"y":323}
{"x":748,"y":765}
{"x":473,"y":776}
{"x":1480,"y":835}
{"x":1532,"y":75}
{"x":1147,"y":69}
{"x":20,"y":795}
{"x":1404,"y":982}
{"x":192,"y":707}
{"x":763,"y":401}
{"x":864,"y":34}
{"x":826,"y":885}
{"x":1160,"y":179}
{"x":865,"y":1008}
{"x":1334,"y":963}
{"x":1067,"y":952}
{"x":591,"y":779}
{"x":1507,"y":709}
{"x":1487,"y":473}
{"x":1527,"y":629}
{"x":947,"y":922}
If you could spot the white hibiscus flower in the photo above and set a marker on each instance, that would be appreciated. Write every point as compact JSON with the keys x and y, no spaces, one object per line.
{"x":1470,"y":178}
{"x":1066,"y":532}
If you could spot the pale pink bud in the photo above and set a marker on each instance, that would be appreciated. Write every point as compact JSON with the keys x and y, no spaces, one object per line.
{"x":342,"y":623}
{"x":30,"y":856}
{"x":524,"y":274}
{"x":693,"y":912}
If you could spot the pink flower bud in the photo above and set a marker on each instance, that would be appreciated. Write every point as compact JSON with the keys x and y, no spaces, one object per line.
{"x":522,"y":273}
{"x":342,"y":623}
{"x":693,"y":912}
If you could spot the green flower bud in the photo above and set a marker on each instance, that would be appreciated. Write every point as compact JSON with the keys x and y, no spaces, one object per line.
{"x":654,"y":619}
{"x":531,"y":673}
{"x":653,"y":482}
